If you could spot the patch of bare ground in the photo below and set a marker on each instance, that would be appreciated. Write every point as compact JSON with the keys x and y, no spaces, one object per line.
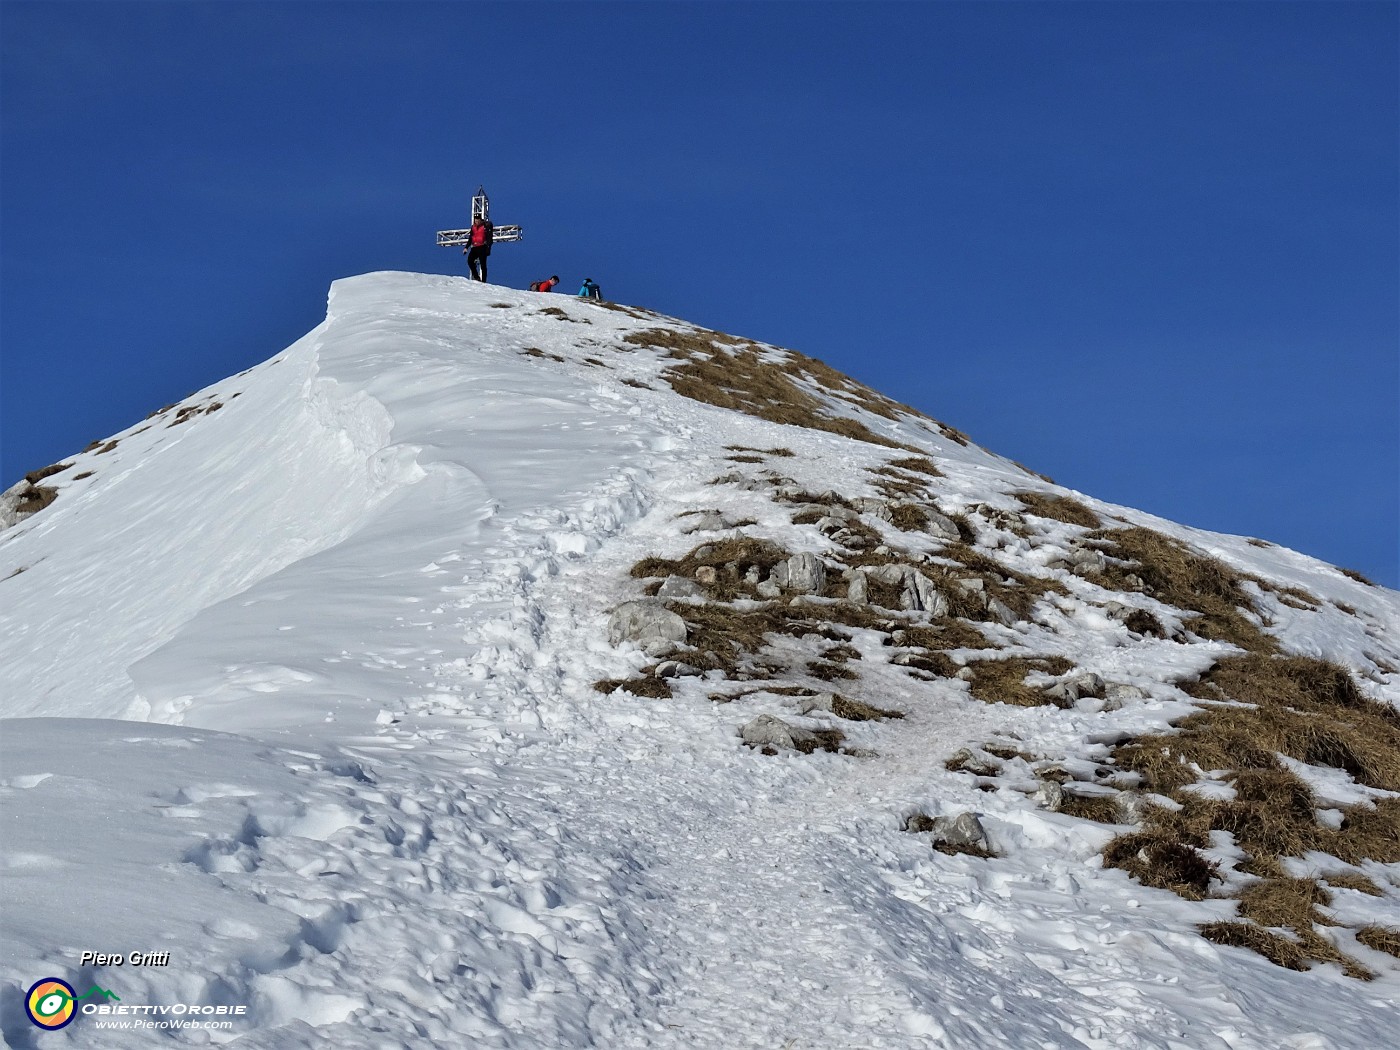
{"x":1149,"y":562}
{"x":554,"y":311}
{"x":720,"y":370}
{"x":783,"y":453}
{"x":645,"y":685}
{"x":1352,"y":574}
{"x":1003,"y":680}
{"x":1017,"y":591}
{"x":1059,"y":508}
{"x":534,"y":351}
{"x":1262,"y":708}
{"x":859,"y":711}
{"x":36,"y":476}
{"x":1381,"y":939}
{"x":1352,"y":880}
{"x":735,"y":566}
{"x":894,"y":484}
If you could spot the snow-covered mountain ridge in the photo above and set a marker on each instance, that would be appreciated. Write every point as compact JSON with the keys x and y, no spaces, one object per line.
{"x":397,"y":783}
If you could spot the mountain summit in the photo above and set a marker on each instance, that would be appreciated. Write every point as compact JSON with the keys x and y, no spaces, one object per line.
{"x":496,"y":669}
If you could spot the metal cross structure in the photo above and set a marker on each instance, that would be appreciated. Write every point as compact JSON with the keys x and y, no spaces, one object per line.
{"x":481,"y":209}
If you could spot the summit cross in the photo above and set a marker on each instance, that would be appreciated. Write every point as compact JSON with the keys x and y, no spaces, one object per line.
{"x":481,"y":209}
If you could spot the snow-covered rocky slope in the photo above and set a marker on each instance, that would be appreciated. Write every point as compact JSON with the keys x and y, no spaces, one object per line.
{"x":326,"y":682}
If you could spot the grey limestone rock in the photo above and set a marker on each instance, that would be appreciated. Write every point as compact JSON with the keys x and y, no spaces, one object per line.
{"x":675,"y":669}
{"x":648,"y":623}
{"x":1001,"y":611}
{"x":942,"y":527}
{"x":858,"y":590}
{"x":876,"y":508}
{"x":769,"y":731}
{"x":680,"y":587}
{"x":803,"y":573}
{"x":965,"y":831}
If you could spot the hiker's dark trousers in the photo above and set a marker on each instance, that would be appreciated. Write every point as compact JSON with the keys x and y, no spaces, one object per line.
{"x":476,"y":261}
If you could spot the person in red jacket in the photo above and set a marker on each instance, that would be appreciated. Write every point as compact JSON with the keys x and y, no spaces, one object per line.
{"x":482,"y":234}
{"x":548,"y":286}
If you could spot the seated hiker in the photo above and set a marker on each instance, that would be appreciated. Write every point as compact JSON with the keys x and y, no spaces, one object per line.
{"x":546,"y":286}
{"x":590,"y":290}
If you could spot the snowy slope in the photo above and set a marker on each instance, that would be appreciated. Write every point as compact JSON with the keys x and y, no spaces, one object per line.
{"x":300,"y":690}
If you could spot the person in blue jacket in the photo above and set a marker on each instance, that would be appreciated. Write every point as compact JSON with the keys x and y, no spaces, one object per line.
{"x":590,"y":290}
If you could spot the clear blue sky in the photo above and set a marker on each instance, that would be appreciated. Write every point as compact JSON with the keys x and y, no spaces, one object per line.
{"x":1149,"y":249}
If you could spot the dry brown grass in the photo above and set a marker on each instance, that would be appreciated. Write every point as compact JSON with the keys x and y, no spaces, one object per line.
{"x":1179,"y":576}
{"x":1102,"y":809}
{"x":909,"y":517}
{"x":1308,"y":709}
{"x":1381,"y":939}
{"x":783,"y":453}
{"x":1003,"y":681}
{"x":731,"y":559}
{"x":918,"y":464}
{"x":1267,"y":706}
{"x":36,"y":476}
{"x":858,"y":711}
{"x":645,"y":686}
{"x":1015,"y":590}
{"x":1352,"y":574}
{"x":534,"y":351}
{"x":1352,"y":880}
{"x":554,"y":311}
{"x":1060,"y":508}
{"x":35,"y":498}
{"x":943,"y":633}
{"x":1278,"y":949}
{"x":1162,"y":860}
{"x":726,"y":372}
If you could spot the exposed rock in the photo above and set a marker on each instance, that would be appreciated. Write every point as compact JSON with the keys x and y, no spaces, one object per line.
{"x":803,"y":573}
{"x":675,"y":669}
{"x":707,"y":575}
{"x":767,"y":731}
{"x":965,"y":760}
{"x":648,"y":623}
{"x":940,"y":526}
{"x":1075,"y":687}
{"x":825,"y":702}
{"x":962,"y":834}
{"x":707,"y":521}
{"x":928,"y":598}
{"x":1050,"y":795}
{"x":858,"y":591}
{"x":1001,"y":612}
{"x":831,"y":511}
{"x":1132,"y":807}
{"x":1121,"y":692}
{"x":680,"y":587}
{"x":876,"y":508}
{"x":22,"y":499}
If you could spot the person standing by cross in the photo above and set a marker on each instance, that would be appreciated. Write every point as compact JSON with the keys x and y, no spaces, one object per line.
{"x":477,"y":241}
{"x":478,"y":248}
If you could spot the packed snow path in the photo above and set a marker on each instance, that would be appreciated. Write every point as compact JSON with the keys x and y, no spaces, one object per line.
{"x":361,"y":608}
